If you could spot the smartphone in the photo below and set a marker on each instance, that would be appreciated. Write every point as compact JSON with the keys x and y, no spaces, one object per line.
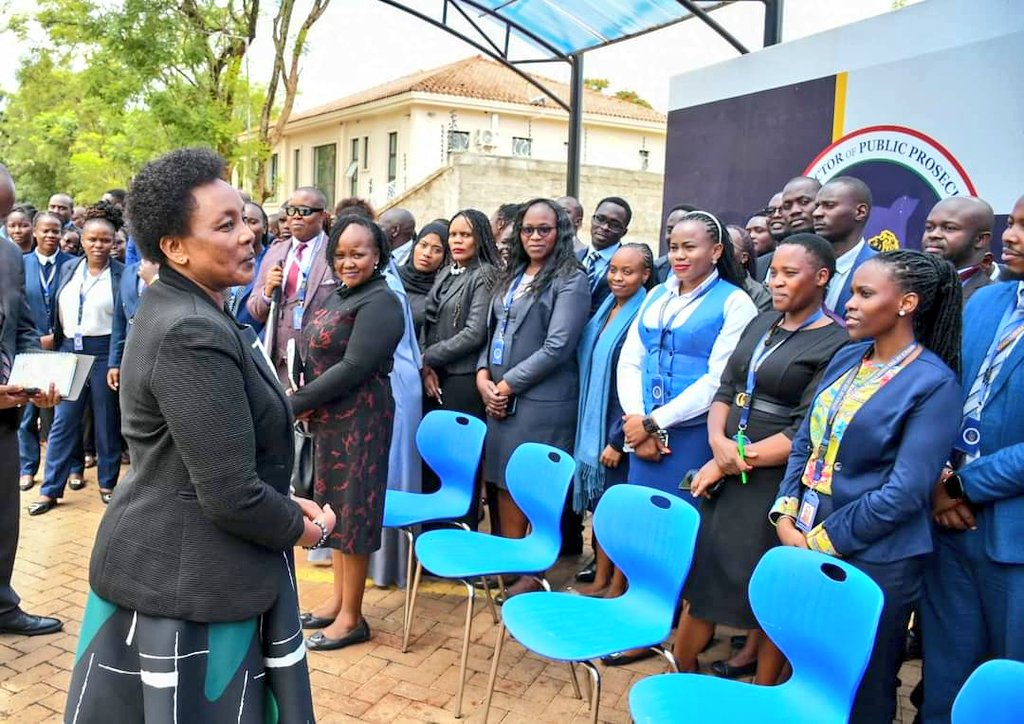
{"x":31,"y":391}
{"x":510,"y":408}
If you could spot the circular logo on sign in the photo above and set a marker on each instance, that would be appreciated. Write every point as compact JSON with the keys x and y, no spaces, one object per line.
{"x":907,"y":172}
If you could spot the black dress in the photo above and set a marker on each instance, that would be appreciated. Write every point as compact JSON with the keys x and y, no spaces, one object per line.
{"x":734,"y":529}
{"x":349,"y":348}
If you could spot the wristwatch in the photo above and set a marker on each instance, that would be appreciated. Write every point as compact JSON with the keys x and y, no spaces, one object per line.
{"x":650,"y":426}
{"x":954,"y":486}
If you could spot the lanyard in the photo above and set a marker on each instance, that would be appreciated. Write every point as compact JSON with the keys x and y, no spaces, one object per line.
{"x":847,"y":388}
{"x":1008,"y":334}
{"x":306,"y":262}
{"x":45,"y":282}
{"x":665,"y":328}
{"x":506,"y":304}
{"x":83,"y":291}
{"x":761,"y":353}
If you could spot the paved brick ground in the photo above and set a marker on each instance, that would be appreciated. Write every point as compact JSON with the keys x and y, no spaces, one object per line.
{"x":371,"y":682}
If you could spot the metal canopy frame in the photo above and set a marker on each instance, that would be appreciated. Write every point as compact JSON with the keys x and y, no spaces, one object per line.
{"x":463,"y":19}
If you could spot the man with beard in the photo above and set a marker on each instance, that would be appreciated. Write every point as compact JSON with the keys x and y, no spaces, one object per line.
{"x":840,"y":213}
{"x":959,"y":229}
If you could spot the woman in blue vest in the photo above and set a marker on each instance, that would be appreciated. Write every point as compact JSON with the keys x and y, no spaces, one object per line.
{"x":859,"y":480}
{"x":674,"y":354}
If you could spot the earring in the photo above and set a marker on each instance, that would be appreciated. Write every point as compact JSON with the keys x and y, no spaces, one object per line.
{"x":902,"y":312}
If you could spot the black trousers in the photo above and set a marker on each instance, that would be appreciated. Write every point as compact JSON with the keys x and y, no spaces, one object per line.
{"x":10,"y":499}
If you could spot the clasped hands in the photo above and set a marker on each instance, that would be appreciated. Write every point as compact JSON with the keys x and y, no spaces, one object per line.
{"x":16,"y":396}
{"x":726,"y":461}
{"x":495,"y":396}
{"x":645,"y":445}
{"x":311,"y":511}
{"x":950,"y":513}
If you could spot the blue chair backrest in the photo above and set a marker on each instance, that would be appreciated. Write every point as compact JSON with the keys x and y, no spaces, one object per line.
{"x":451,"y":444}
{"x":822,"y":613}
{"x":993,"y":694}
{"x":651,"y":537}
{"x":538,"y":478}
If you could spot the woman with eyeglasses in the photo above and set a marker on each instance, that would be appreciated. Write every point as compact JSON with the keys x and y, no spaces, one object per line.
{"x":527,"y":374}
{"x":418,"y":273}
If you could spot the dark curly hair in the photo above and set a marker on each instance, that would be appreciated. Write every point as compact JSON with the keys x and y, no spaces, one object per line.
{"x":561,"y":264}
{"x":355,"y":205}
{"x":380,"y":240}
{"x":486,"y":248}
{"x":160,"y":200}
{"x":938,"y":322}
{"x":818,"y":247}
{"x":106,"y":212}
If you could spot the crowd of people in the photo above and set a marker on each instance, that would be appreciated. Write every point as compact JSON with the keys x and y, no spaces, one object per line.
{"x":795,"y":384}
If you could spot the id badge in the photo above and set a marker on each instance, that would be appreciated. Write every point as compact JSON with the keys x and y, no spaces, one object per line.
{"x":498,"y":351}
{"x":969,"y":442}
{"x":808,"y":509}
{"x":79,"y":342}
{"x":297,"y":317}
{"x":658,"y":390}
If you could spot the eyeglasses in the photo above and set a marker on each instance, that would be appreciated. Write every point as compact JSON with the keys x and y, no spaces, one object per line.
{"x":613,"y":225}
{"x":529,"y":231}
{"x":302,"y":211}
{"x":771,"y":210}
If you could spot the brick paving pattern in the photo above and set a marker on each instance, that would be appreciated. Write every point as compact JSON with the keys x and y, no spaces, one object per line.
{"x":373,"y":682}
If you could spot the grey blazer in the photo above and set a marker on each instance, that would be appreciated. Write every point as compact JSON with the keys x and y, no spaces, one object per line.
{"x":539,"y":360}
{"x":17,"y":330}
{"x":455,"y":329}
{"x":197,"y":528}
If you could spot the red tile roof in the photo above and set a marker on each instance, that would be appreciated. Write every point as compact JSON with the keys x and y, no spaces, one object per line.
{"x":484,"y":79}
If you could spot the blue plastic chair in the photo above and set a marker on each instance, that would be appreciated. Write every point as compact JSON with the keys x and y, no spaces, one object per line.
{"x":822,"y":613}
{"x":993,"y":694}
{"x":650,"y":536}
{"x":451,"y":443}
{"x":538,"y":478}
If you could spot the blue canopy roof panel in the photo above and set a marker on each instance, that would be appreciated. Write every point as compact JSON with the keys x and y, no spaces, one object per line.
{"x":571,"y":26}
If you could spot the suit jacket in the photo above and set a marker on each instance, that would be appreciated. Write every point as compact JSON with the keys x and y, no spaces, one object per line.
{"x":541,"y":339}
{"x":601,"y":290}
{"x":241,"y":309}
{"x":995,"y":481}
{"x":889,"y":459}
{"x":455,"y":329}
{"x":34,"y":289}
{"x":976,"y":282}
{"x":18,"y":332}
{"x":662,"y":269}
{"x":197,"y":528}
{"x":763,"y":264}
{"x":844,"y":296}
{"x":124,"y":314}
{"x":66,"y":273}
{"x":319,"y":285}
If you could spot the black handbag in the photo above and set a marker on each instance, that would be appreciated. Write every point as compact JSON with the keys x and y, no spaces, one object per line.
{"x":302,"y":469}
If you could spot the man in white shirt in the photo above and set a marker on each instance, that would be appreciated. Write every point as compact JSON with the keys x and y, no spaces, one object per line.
{"x":400,"y":228}
{"x":841,"y":211}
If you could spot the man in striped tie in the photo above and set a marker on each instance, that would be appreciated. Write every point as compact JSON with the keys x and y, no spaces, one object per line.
{"x":973,"y":607}
{"x":608,"y":225}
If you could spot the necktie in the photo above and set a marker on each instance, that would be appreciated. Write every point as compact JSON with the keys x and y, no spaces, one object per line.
{"x":1006,"y":336}
{"x":292,"y":283}
{"x":592,"y":266}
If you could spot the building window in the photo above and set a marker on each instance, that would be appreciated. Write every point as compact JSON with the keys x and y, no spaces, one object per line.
{"x":645,"y":159}
{"x":352,"y":174}
{"x":295,"y":168}
{"x":458,"y":141}
{"x":272,"y":176}
{"x":325,"y":165}
{"x":522,"y":146}
{"x":366,"y":153}
{"x":392,"y":157}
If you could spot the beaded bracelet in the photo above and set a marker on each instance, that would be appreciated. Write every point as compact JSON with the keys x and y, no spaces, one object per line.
{"x":324,"y":535}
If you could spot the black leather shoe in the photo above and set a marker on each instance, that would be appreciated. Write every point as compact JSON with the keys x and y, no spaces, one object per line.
{"x":42,"y":506}
{"x":76,"y":483}
{"x":588,"y":572}
{"x":25,"y":624}
{"x":726,"y":670}
{"x":308,"y":620}
{"x":319,"y":642}
{"x":623,"y":659}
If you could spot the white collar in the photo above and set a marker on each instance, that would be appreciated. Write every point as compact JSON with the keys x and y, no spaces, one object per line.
{"x":844,"y":263}
{"x":44,"y":259}
{"x":1020,"y":294}
{"x":672,"y":284}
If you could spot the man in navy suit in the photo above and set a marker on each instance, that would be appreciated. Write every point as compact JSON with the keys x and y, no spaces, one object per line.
{"x":973,"y":607}
{"x":42,"y":271}
{"x":608,"y":225}
{"x":841,"y":210}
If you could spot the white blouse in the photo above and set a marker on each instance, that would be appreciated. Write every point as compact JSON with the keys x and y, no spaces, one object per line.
{"x":696,"y":399}
{"x":98,"y":310}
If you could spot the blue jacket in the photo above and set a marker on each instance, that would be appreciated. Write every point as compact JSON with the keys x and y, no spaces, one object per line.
{"x":124,"y":312}
{"x":34,"y":289}
{"x":995,"y":481}
{"x":844,"y":296}
{"x":889,"y":459}
{"x":66,"y":273}
{"x":242,"y":314}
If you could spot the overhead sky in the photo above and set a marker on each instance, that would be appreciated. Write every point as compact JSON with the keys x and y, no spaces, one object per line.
{"x":361,"y":43}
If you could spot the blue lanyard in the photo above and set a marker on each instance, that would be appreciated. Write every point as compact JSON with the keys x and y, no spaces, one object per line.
{"x":845,"y":389}
{"x":761,"y":353}
{"x":666,"y":328}
{"x":1010,"y":330}
{"x":83,"y":292}
{"x":304,"y":273}
{"x":506,"y":304}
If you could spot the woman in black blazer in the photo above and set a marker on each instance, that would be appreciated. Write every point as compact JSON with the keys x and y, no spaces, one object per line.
{"x":191,"y":573}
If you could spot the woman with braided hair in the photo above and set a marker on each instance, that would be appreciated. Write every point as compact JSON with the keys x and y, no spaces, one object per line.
{"x":864,"y":462}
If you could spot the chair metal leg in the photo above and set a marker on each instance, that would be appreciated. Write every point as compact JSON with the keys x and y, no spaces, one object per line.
{"x":490,"y":599}
{"x":406,"y":621}
{"x":595,"y":690}
{"x":412,"y":607}
{"x":668,"y":656}
{"x":575,"y":681}
{"x":465,"y":647}
{"x":543,"y":581}
{"x":494,"y":669}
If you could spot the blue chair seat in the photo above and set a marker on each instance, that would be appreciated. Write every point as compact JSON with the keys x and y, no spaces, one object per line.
{"x":567,"y":627}
{"x":667,"y":698}
{"x":463,"y":554}
{"x":403,"y":509}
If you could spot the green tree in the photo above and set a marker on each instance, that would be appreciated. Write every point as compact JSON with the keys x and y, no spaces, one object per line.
{"x":631,"y":97}
{"x":598,"y":85}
